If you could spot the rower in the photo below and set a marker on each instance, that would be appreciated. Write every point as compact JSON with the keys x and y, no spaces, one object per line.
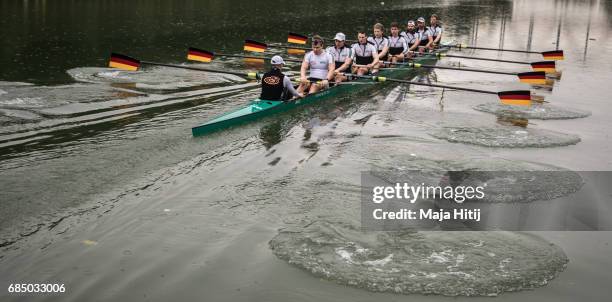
{"x":435,"y":31}
{"x":320,"y":65}
{"x":342,"y":57}
{"x":364,"y":55}
{"x":425,"y":38}
{"x":380,"y":42}
{"x":397,"y":44}
{"x":412,"y":38}
{"x":275,"y":86}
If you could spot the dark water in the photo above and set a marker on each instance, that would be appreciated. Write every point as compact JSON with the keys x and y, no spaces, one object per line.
{"x":104,"y":189}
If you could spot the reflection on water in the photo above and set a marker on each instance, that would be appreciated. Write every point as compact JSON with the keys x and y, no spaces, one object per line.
{"x":64,"y":144}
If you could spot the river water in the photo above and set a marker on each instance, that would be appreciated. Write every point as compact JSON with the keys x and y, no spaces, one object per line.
{"x":104,"y":189}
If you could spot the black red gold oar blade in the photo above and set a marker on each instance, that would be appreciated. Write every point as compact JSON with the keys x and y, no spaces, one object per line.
{"x":123,"y":62}
{"x":296,"y":38}
{"x":295,"y":51}
{"x":554,"y":55}
{"x":546,"y":66}
{"x":515,"y":97}
{"x":199,"y":55}
{"x":533,"y":77}
{"x":254,"y":46}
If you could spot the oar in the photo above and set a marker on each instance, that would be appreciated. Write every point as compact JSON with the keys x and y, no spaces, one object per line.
{"x":547,"y":66}
{"x":532,"y":77}
{"x":302,"y":39}
{"x":127,"y":63}
{"x":206,"y":56}
{"x":516,"y":97}
{"x":554,"y":55}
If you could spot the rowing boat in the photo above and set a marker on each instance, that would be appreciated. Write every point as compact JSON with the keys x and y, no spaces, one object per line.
{"x":260,"y":108}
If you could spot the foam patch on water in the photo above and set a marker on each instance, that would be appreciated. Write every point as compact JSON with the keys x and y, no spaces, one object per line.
{"x":538,"y":111}
{"x":20,"y":114}
{"x":506,"y":137}
{"x":443,"y":263}
{"x":506,"y":181}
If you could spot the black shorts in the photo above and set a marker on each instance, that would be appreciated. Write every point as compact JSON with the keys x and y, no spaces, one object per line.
{"x":423,"y":42}
{"x":314,"y":80}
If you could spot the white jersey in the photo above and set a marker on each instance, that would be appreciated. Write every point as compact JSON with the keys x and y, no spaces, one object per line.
{"x":319,"y":64}
{"x":339,"y":55}
{"x":360,"y":50}
{"x":410,"y":38}
{"x":397,"y":45}
{"x":379,"y":43}
{"x":423,"y":34}
{"x":363,"y":54}
{"x":435,"y":31}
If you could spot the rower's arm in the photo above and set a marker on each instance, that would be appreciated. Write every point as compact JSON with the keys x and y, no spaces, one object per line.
{"x":289,"y":86}
{"x":430,"y":43}
{"x":439,"y":37}
{"x":383,"y":52}
{"x":330,"y":70}
{"x":347,"y":63}
{"x":375,"y":55}
{"x":304,"y":68}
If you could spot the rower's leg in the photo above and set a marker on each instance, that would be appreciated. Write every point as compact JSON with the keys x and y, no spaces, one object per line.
{"x":314,"y":88}
{"x":302,"y":88}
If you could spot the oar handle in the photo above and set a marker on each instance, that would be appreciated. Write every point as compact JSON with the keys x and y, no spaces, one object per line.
{"x":483,"y":59}
{"x":495,"y":49}
{"x":288,"y":47}
{"x":252,"y":57}
{"x":384,"y":79}
{"x":251,"y":75}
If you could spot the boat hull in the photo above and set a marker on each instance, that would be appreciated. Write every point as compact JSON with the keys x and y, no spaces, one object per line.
{"x":262,"y":108}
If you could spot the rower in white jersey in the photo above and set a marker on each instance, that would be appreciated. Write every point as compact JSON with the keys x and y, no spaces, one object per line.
{"x":412,"y":38}
{"x":435,"y":31}
{"x":380,"y":42}
{"x":397,"y":44}
{"x":342,"y":57}
{"x":424,"y":36}
{"x":364,"y":55}
{"x":320,"y":65}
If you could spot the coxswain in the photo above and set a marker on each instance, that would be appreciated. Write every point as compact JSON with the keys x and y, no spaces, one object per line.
{"x":342,"y":57}
{"x":320,"y":65}
{"x":412,"y":38}
{"x":397,"y":44}
{"x":435,"y":31}
{"x":275,"y":86}
{"x":424,"y":35}
{"x":365,"y":56}
{"x":380,"y":42}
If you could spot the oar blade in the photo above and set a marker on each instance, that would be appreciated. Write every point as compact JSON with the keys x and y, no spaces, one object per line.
{"x":546,"y":66}
{"x":254,"y":46}
{"x":123,"y":62}
{"x":295,"y":51}
{"x":533,"y":77}
{"x":199,"y":55}
{"x":515,"y":97}
{"x":553,"y":55}
{"x":297,"y":38}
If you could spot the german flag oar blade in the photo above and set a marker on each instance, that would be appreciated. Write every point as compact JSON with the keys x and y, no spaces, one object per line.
{"x":555,"y":55}
{"x":546,"y":66}
{"x":123,"y":62}
{"x":515,"y":97}
{"x":200,"y":55}
{"x":250,"y":45}
{"x":296,"y":38}
{"x":533,"y":77}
